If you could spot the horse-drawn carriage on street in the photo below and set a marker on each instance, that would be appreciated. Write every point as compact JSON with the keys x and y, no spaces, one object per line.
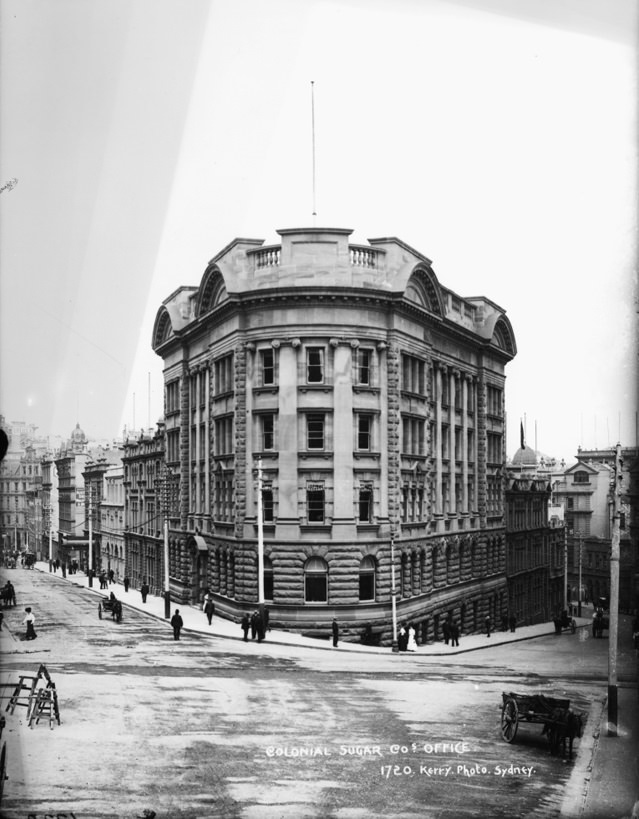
{"x":564,"y":622}
{"x":111,"y":605}
{"x":560,"y":723}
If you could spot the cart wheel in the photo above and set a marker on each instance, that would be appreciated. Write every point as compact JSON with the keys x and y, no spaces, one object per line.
{"x":509,"y":720}
{"x":100,"y":610}
{"x":573,"y":626}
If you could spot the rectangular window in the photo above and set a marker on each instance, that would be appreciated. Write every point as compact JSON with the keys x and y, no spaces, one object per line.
{"x":173,"y":445}
{"x":315,"y":503}
{"x":224,"y":436}
{"x":364,"y":367}
{"x":413,"y":370}
{"x":268,"y":514}
{"x":268,"y":431}
{"x":315,"y":365}
{"x":494,"y":398}
{"x":224,"y":375}
{"x":364,"y":430}
{"x":172,"y":396}
{"x":413,"y":430}
{"x":365,"y":504}
{"x":315,"y":431}
{"x":267,"y":366}
{"x":494,"y":448}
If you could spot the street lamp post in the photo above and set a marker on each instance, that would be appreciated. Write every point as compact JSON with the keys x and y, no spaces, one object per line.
{"x":581,"y":543}
{"x":166,"y":484}
{"x":395,"y":645}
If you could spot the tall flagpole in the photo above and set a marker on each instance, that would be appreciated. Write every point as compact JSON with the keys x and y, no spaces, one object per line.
{"x":313,"y":139}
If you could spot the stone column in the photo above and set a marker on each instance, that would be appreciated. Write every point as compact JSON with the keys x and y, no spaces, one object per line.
{"x":439,"y":374}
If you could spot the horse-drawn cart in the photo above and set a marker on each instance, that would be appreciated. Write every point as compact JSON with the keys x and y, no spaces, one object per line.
{"x":112,"y":605}
{"x":559,"y":722}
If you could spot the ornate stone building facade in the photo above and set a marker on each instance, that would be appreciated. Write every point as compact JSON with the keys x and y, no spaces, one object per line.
{"x":142,"y":464}
{"x":372,"y":399}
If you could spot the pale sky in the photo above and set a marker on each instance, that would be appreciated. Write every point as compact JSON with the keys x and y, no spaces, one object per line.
{"x":497,"y":137}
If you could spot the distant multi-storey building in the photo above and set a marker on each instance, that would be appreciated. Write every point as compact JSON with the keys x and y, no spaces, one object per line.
{"x":371,"y":399}
{"x":585,"y":492}
{"x":535,"y":565}
{"x":21,"y":517}
{"x":113,"y":550}
{"x":143,"y":461}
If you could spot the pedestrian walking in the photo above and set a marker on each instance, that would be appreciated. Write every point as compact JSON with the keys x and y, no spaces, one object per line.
{"x":446,"y":630}
{"x":259,"y":625}
{"x":246,"y":625}
{"x":111,"y":576}
{"x":29,"y":622}
{"x":209,"y":608}
{"x":254,"y":625}
{"x":144,"y":590}
{"x":57,"y":564}
{"x":11,"y":593}
{"x":177,"y":623}
{"x":512,"y":622}
{"x":335,"y":630}
{"x":402,"y":639}
{"x":412,"y":642}
{"x":487,"y":624}
{"x":127,"y":583}
{"x":103,"y":580}
{"x":454,"y":634}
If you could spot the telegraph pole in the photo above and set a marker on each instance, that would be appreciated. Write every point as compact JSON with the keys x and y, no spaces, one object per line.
{"x":614,"y":594}
{"x":260,"y":542}
{"x":90,"y":535}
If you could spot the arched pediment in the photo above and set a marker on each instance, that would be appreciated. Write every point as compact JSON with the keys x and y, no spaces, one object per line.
{"x":162,"y":328}
{"x":212,"y":291}
{"x":423,"y":289}
{"x":503,"y":336}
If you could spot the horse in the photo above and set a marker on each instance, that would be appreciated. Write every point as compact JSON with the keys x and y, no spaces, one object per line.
{"x":564,"y":726}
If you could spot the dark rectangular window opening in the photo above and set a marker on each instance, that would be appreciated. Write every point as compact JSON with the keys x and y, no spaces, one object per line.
{"x":315,"y":431}
{"x":365,"y":505}
{"x":315,"y":505}
{"x":364,"y":432}
{"x":315,"y":365}
{"x":268,"y":367}
{"x":267,"y":505}
{"x":364,"y":367}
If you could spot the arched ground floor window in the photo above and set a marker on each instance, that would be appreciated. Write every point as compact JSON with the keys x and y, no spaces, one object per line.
{"x":315,"y":580}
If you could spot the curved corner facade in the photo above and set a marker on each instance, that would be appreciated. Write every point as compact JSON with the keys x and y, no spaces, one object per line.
{"x":372,"y":399}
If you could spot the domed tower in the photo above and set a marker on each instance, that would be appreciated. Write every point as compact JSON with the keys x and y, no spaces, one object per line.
{"x":78,"y":440}
{"x":525,"y":458}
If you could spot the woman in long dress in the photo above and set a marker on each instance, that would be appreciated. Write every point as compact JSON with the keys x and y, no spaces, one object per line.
{"x":412,"y":643}
{"x":29,"y":622}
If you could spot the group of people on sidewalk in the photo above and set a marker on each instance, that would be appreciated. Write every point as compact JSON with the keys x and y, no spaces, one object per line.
{"x":256,"y":623}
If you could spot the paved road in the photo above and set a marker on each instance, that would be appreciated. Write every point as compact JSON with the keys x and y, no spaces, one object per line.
{"x":207,"y":727}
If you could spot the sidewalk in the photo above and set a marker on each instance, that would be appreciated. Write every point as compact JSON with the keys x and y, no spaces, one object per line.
{"x":195,"y":620}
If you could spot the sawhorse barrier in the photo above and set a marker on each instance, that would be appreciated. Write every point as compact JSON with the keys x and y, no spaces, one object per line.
{"x":40,"y":701}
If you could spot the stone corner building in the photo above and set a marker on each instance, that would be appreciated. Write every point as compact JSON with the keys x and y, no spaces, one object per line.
{"x":373,"y":397}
